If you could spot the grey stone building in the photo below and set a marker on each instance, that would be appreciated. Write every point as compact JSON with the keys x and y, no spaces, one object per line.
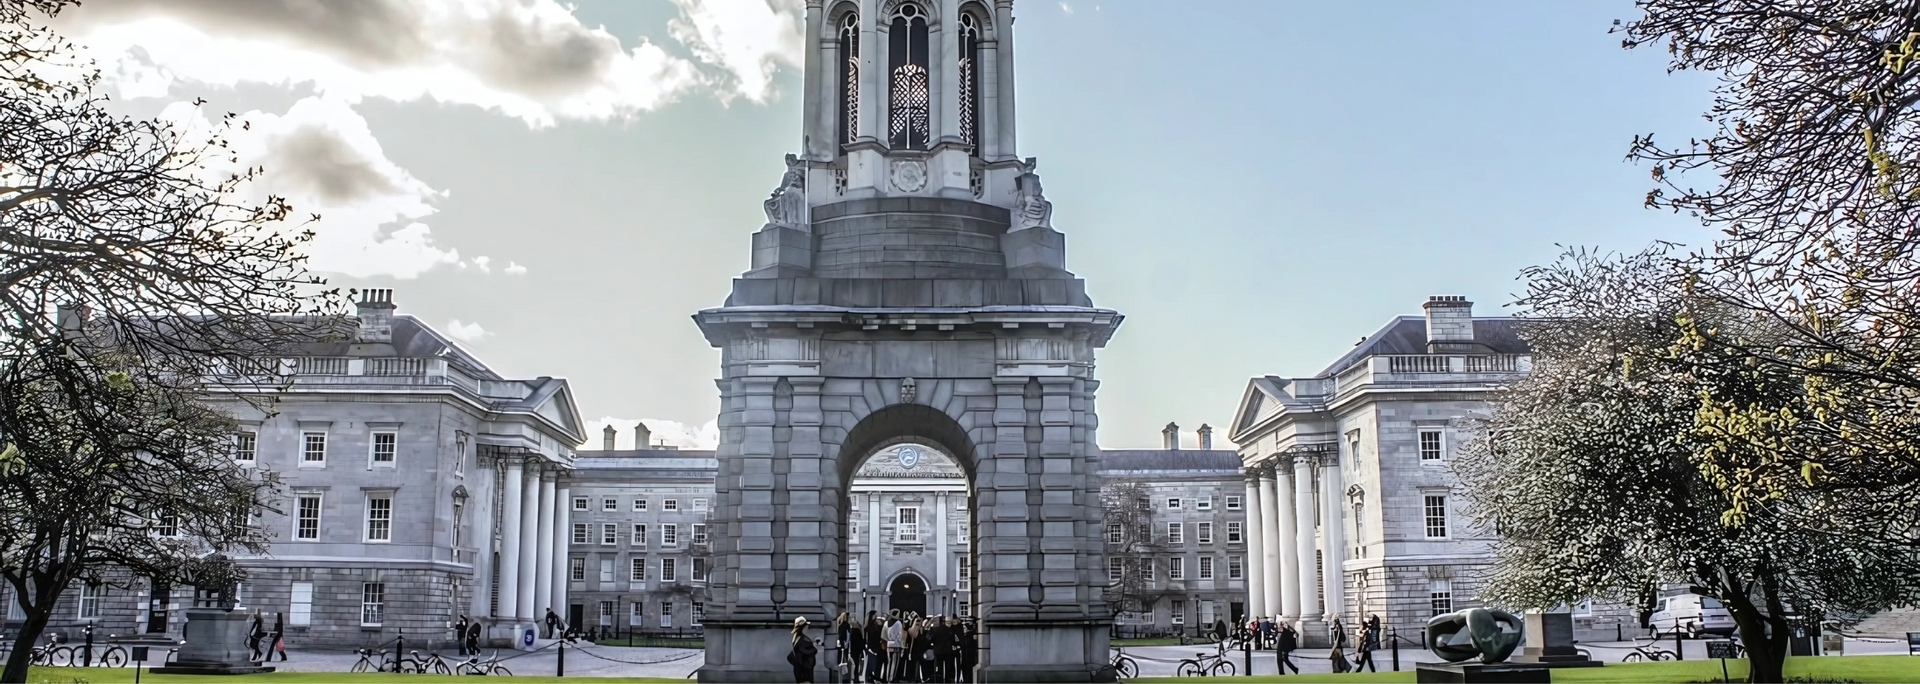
{"x":417,"y":485}
{"x":1192,"y":561}
{"x":1359,"y":511}
{"x":638,"y":542}
{"x":907,"y":540}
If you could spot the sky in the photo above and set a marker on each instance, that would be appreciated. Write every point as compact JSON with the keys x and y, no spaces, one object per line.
{"x":1255,"y":185}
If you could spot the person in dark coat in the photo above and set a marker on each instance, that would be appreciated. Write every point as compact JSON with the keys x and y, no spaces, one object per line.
{"x":876,"y":645}
{"x":1338,"y":656}
{"x":279,"y":636}
{"x":553,"y":622}
{"x":460,"y":634}
{"x":804,"y":650}
{"x":945,"y":652}
{"x":1368,"y":641}
{"x":853,"y":647}
{"x":256,"y":633}
{"x":472,"y":638}
{"x":1283,"y":646}
{"x":969,"y":652}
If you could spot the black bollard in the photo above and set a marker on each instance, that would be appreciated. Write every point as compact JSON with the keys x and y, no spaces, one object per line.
{"x":1246,"y":649}
{"x":1679,"y":646}
{"x":561,"y":668}
{"x":86,"y":657}
{"x":399,"y":649}
{"x":1393,"y":637}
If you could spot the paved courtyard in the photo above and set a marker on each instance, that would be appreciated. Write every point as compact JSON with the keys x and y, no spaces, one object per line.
{"x":1162,"y":661}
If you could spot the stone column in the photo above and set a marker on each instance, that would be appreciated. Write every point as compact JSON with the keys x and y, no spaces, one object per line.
{"x":873,"y":77}
{"x":1270,"y":548}
{"x":1283,"y":533}
{"x":510,"y":531}
{"x":1309,"y":605}
{"x":543,"y":551}
{"x":1256,"y":565}
{"x":818,"y":127}
{"x":1333,"y":536}
{"x":988,"y":127}
{"x":812,"y":542}
{"x":872,"y":564}
{"x":946,"y":73}
{"x":562,"y":545}
{"x":940,"y":538}
{"x":484,"y":481}
{"x":529,"y":550}
{"x":1003,"y":18}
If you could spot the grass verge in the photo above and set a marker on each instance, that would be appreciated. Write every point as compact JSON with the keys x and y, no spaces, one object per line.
{"x":1866,"y":669}
{"x":101,"y":675}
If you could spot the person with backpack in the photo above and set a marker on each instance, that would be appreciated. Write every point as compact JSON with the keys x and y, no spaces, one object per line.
{"x":1368,"y":641}
{"x":472,"y":638}
{"x":1338,"y":656}
{"x":256,"y":633}
{"x":803,"y":653}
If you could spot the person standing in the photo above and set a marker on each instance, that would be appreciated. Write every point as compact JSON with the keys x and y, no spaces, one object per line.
{"x":803,"y":653}
{"x":876,"y":646}
{"x":552,"y":621}
{"x":1267,"y":632}
{"x":256,"y":633}
{"x":472,"y":638}
{"x":460,"y":634}
{"x":1284,"y":644}
{"x":1369,"y":640}
{"x":969,"y":652}
{"x":279,"y":637}
{"x":853,"y":649}
{"x":896,"y":651}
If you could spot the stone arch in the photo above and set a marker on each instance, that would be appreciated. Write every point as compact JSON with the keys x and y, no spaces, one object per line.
{"x":902,"y":423}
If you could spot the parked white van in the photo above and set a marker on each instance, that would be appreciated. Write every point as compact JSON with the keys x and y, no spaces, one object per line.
{"x":1693,"y":614}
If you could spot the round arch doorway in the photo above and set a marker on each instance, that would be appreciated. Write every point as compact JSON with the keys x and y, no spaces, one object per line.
{"x":907,"y":594}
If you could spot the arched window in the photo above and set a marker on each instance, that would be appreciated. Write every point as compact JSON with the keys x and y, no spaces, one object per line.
{"x":970,"y":80}
{"x":909,"y":90}
{"x":849,"y":76}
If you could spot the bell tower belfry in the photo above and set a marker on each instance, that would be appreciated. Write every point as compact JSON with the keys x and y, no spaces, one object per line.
{"x":908,"y":285}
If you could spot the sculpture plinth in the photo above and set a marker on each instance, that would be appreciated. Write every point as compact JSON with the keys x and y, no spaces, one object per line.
{"x":216,"y":644}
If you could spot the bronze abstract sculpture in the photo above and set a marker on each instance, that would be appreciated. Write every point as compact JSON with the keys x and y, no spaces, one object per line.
{"x":1490,"y":634}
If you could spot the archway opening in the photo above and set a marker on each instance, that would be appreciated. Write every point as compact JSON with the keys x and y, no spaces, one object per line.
{"x":907,"y":594}
{"x":907,"y":476}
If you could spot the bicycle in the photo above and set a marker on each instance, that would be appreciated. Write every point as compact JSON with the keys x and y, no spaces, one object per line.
{"x":1645,"y":653}
{"x":53,"y":654}
{"x":366,"y":663}
{"x":1124,"y":666}
{"x":419,"y":665}
{"x":490,"y":666}
{"x":1203,"y":665}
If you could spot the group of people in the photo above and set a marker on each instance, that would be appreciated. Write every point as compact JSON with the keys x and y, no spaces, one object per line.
{"x":1280,"y":636}
{"x":262,"y":644}
{"x":894,"y":647}
{"x":466,"y":633}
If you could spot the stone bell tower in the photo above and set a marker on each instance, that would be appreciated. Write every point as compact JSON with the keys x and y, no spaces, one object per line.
{"x":908,"y":286}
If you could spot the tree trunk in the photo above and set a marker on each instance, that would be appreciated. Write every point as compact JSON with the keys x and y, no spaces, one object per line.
{"x":22,"y":656}
{"x":1766,"y":659}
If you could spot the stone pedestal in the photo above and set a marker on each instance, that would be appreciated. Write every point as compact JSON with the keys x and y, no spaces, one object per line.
{"x":216,"y":643}
{"x":1472,"y":673}
{"x":1046,"y":652}
{"x":1549,"y":642}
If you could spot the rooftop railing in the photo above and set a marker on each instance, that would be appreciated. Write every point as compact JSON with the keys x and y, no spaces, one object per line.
{"x":1400,"y":369}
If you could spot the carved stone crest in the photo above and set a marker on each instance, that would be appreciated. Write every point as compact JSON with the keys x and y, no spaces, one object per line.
{"x":908,"y":175}
{"x":907,"y":391}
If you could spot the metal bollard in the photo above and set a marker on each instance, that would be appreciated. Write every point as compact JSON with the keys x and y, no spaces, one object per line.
{"x":1679,"y":646}
{"x":560,"y":669}
{"x":1393,"y":637}
{"x":399,"y":649}
{"x":1246,"y":649}
{"x":86,"y":657}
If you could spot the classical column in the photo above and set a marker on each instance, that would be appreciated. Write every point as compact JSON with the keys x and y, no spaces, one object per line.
{"x":1281,"y":535}
{"x":1270,"y":547}
{"x":562,"y":544}
{"x":821,"y":139}
{"x":1256,"y":565}
{"x":510,"y":529}
{"x":543,"y":550}
{"x":946,"y":74}
{"x":872,"y":565}
{"x":1303,"y":537}
{"x":1003,"y":13}
{"x":481,"y":537}
{"x":1333,"y":536}
{"x":940,"y":539}
{"x":529,"y":550}
{"x":873,"y":78}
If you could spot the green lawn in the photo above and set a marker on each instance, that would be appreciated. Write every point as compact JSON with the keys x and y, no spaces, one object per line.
{"x":1866,"y":669}
{"x":97,"y":675}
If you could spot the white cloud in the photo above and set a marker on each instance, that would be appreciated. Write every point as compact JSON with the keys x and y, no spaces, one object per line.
{"x":748,"y":39}
{"x":668,"y":432}
{"x":530,"y":59}
{"x":514,"y":268}
{"x":483,"y":263}
{"x":465,"y":332}
{"x":322,"y":157}
{"x":1064,"y":7}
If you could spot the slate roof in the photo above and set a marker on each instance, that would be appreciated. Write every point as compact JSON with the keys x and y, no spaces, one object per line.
{"x":1169,"y":460}
{"x":1408,"y":335}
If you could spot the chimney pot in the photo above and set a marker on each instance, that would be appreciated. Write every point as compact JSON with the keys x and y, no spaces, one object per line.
{"x":1206,"y":436}
{"x":1170,"y":437}
{"x":607,"y":436}
{"x":375,"y":311}
{"x":642,"y":437}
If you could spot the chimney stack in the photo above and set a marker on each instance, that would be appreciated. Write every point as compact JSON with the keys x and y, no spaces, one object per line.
{"x":1170,"y":437}
{"x":1206,"y":436}
{"x":642,"y":437}
{"x":608,"y":435}
{"x":375,"y":310}
{"x":1449,"y":323}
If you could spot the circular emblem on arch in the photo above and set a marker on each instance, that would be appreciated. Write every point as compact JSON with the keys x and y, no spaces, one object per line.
{"x":908,"y":175}
{"x":909,"y":456}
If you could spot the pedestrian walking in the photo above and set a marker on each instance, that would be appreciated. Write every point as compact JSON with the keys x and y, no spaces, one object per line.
{"x":460,"y":634}
{"x":1283,"y":647}
{"x":472,"y":638}
{"x":1338,"y":656}
{"x":804,"y":650}
{"x":279,"y":637}
{"x":896,"y":650}
{"x":1267,"y":632}
{"x":1368,"y":641}
{"x":552,"y":621}
{"x":256,"y":633}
